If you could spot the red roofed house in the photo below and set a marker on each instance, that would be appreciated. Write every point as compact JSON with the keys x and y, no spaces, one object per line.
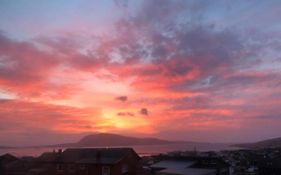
{"x":91,"y":161}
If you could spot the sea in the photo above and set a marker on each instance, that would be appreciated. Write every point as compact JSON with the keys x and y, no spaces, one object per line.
{"x":142,"y":150}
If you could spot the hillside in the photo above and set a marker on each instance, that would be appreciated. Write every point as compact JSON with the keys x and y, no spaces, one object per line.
{"x":104,"y":139}
{"x":5,"y":147}
{"x":270,"y":143}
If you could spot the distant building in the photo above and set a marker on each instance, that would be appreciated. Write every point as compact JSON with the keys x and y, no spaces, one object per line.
{"x":174,"y":167}
{"x":270,"y":166}
{"x":88,"y":161}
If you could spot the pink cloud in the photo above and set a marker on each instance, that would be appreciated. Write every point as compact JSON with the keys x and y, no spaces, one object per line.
{"x":184,"y":77}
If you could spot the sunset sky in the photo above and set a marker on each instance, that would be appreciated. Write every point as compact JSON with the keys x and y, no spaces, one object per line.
{"x":199,"y":70}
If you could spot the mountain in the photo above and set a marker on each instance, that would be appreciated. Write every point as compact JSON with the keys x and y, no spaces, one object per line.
{"x":105,"y":139}
{"x":270,"y":143}
{"x":5,"y":147}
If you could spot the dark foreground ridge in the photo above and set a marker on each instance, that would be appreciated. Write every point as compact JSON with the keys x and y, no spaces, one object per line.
{"x":125,"y":161}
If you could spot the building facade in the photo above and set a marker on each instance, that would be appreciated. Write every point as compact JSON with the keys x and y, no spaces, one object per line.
{"x":91,"y":161}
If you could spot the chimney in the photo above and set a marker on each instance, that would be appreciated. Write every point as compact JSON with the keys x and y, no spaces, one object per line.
{"x":59,"y":155}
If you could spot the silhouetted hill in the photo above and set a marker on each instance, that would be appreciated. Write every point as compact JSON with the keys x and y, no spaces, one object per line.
{"x":270,"y":143}
{"x":5,"y":147}
{"x":104,"y":139}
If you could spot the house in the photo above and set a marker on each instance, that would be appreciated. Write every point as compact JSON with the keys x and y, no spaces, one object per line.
{"x":88,"y":161}
{"x":7,"y":158}
{"x":190,"y":165}
{"x":4,"y":161}
{"x":270,"y":166}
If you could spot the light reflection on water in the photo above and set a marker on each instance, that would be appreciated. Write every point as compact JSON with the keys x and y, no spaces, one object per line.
{"x":140,"y":149}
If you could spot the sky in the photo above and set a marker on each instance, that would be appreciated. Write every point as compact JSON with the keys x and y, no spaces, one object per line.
{"x":198,"y":70}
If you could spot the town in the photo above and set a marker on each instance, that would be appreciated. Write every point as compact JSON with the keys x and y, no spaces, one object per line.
{"x":140,"y":87}
{"x":119,"y":161}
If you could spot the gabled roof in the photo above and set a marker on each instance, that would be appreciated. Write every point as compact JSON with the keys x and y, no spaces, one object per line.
{"x":7,"y":158}
{"x":88,"y":155}
{"x":48,"y":157}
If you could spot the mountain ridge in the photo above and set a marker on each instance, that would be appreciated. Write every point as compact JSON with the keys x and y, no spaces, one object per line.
{"x":268,"y":143}
{"x":108,"y":139}
{"x":5,"y":147}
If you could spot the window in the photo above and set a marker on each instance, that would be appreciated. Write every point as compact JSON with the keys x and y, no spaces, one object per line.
{"x":59,"y":167}
{"x":105,"y":170}
{"x":71,"y":168}
{"x":125,"y":168}
{"x":82,"y":167}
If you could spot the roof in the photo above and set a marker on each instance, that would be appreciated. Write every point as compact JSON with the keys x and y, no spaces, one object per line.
{"x":7,"y":158}
{"x":48,"y":157}
{"x":179,"y":167}
{"x":270,"y":162}
{"x":18,"y":165}
{"x":189,"y":171}
{"x":173,"y":164}
{"x":88,"y":155}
